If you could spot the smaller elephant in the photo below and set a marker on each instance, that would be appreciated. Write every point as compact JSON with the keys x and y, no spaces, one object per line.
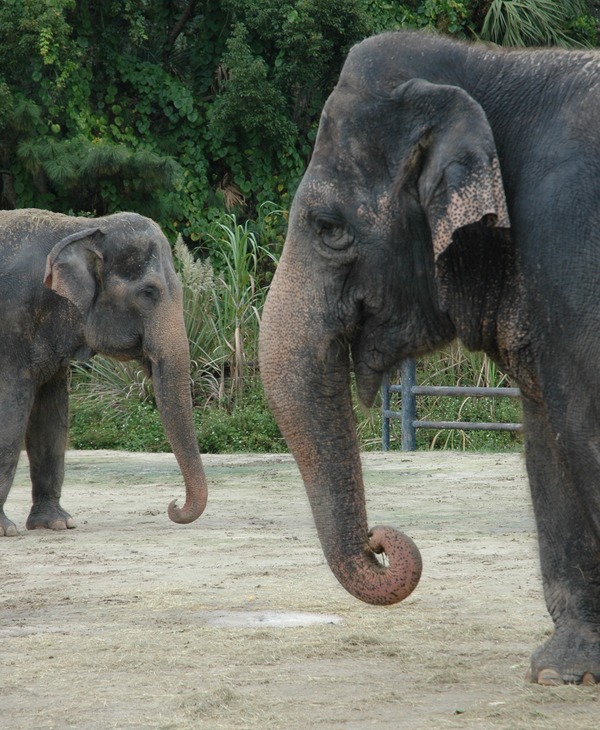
{"x":70,"y":288}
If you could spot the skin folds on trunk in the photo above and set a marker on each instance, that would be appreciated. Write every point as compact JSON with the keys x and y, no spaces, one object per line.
{"x":171,"y":380}
{"x":306,"y":378}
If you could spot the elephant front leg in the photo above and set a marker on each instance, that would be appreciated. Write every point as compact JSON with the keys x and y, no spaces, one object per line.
{"x":564,"y":474}
{"x":15,"y":402}
{"x":46,"y":442}
{"x":8,"y":465}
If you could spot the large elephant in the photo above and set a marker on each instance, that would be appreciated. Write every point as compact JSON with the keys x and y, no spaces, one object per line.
{"x":71,"y":287}
{"x":453,"y":191}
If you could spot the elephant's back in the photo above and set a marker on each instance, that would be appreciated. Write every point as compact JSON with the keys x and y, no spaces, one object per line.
{"x":26,"y":237}
{"x":28,"y":234}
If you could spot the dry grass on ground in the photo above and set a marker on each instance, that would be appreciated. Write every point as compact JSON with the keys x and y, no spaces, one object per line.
{"x":130,"y":621}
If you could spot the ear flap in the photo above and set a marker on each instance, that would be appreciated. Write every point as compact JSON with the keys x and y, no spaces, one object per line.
{"x":460,"y":181}
{"x":71,"y":268}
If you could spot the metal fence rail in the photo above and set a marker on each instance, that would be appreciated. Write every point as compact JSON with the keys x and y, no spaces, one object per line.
{"x":408,"y":412}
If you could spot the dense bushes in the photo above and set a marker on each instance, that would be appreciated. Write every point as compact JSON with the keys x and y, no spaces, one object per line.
{"x":203,"y":116}
{"x":131,"y":425}
{"x":183,"y":110}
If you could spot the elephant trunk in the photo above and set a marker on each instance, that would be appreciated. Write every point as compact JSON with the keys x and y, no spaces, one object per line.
{"x":171,"y":380}
{"x":306,"y":375}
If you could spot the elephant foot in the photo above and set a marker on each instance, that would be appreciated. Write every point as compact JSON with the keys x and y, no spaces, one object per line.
{"x":45,"y":516}
{"x":570,"y":656}
{"x":7,"y":527}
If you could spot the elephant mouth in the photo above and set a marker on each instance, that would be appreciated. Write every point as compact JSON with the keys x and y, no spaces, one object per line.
{"x":368,"y":382}
{"x":129,"y":347}
{"x":371,"y":361}
{"x":146,"y":365}
{"x":124,"y":355}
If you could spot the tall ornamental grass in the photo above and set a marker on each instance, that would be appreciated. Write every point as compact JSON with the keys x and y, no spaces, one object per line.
{"x":223,"y":295}
{"x":224,"y":289}
{"x":240,"y":259}
{"x":537,"y":23}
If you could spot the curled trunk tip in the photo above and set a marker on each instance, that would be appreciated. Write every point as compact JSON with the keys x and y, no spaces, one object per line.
{"x":190,"y":511}
{"x":405,"y":561}
{"x":371,"y":581}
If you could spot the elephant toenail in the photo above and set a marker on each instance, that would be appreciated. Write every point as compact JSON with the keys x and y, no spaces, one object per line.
{"x":549,"y":677}
{"x":57,"y":525}
{"x":588,"y":679}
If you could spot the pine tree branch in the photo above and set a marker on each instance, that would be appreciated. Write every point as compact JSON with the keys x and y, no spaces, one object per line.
{"x":178,"y":27}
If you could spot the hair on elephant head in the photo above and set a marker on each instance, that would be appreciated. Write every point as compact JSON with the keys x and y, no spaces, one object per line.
{"x":110,"y":288}
{"x":450,"y":193}
{"x":124,"y":288}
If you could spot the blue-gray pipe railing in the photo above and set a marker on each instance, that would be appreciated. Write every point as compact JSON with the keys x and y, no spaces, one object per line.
{"x":408,"y":411}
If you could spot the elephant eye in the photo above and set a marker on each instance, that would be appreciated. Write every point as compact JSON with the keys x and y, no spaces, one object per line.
{"x":333,"y":231}
{"x":150,"y":294}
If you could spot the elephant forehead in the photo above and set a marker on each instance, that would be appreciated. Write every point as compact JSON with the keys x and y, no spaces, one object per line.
{"x":136,"y":259}
{"x":320,"y":191}
{"x":373,"y":211}
{"x":377,"y":214}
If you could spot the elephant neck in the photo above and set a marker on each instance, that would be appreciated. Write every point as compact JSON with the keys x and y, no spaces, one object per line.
{"x":67,"y":338}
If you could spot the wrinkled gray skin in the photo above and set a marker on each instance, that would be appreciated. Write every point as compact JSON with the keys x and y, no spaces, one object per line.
{"x":453,"y":191}
{"x":70,"y":288}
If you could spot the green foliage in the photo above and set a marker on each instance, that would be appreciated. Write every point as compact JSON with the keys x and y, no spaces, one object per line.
{"x":506,"y":22}
{"x":538,"y":23}
{"x":249,"y":104}
{"x":281,"y":61}
{"x":201,"y":291}
{"x":247,"y":426}
{"x":238,"y":310}
{"x":184,"y":110}
{"x":6,"y":103}
{"x":224,"y":291}
{"x":198,"y":115}
{"x":446,"y":16}
{"x":175,"y":109}
{"x":452,"y":17}
{"x":34,"y":33}
{"x":133,"y":425}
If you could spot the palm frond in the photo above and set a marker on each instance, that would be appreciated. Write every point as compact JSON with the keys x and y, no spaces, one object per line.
{"x":530,"y":22}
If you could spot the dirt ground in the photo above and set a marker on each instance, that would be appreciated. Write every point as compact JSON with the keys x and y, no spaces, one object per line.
{"x":234,"y":621}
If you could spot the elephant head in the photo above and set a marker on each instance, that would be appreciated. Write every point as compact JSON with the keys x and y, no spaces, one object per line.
{"x":119,"y":274}
{"x":396,"y":178}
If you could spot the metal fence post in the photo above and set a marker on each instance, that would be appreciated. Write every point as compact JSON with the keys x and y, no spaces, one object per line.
{"x":385,"y":407}
{"x":409,"y":405}
{"x":408,"y":408}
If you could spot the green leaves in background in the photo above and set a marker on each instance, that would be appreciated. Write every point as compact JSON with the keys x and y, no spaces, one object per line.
{"x":202,"y":115}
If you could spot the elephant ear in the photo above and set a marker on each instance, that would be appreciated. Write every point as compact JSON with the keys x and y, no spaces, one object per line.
{"x":73,"y":268}
{"x":460,"y":181}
